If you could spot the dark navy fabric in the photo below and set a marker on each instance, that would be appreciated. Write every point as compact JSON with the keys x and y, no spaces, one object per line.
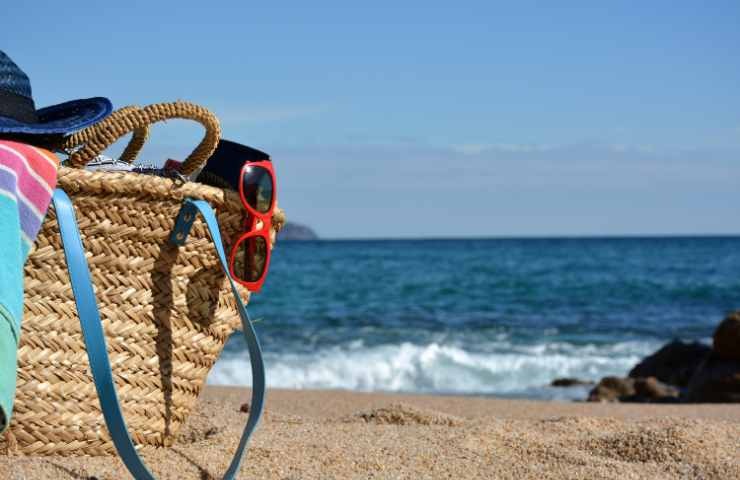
{"x":18,"y":113}
{"x":12,"y":78}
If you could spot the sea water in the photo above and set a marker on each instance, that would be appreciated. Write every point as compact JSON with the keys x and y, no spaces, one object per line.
{"x":485,"y":317}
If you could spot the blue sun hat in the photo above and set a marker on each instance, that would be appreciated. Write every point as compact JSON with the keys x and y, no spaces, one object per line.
{"x":18,"y":114}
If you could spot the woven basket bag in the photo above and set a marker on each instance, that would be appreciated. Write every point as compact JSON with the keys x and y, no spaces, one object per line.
{"x":167,"y":311}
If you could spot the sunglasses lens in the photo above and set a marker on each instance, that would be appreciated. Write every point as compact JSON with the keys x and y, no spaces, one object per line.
{"x":249,"y":261}
{"x":258,"y":188}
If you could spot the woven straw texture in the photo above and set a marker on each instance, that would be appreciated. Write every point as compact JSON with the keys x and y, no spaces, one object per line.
{"x":167,"y":311}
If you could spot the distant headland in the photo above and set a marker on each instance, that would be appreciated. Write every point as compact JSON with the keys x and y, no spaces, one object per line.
{"x":296,"y":231}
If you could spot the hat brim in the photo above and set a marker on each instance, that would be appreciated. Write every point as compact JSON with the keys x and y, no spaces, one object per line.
{"x":65,"y":117}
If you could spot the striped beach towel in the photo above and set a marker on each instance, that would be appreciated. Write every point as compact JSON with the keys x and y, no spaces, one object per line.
{"x":27,"y":180}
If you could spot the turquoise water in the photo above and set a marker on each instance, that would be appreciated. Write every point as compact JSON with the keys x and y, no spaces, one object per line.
{"x":495,"y":317}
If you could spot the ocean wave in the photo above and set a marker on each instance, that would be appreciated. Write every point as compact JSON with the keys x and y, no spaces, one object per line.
{"x":524,"y":370}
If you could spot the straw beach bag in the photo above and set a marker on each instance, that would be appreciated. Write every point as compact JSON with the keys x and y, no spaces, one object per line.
{"x":166,"y":306}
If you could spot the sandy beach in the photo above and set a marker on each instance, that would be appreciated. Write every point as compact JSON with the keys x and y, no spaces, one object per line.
{"x":337,"y":434}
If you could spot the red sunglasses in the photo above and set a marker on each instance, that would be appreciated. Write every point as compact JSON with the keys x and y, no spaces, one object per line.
{"x":250,"y":254}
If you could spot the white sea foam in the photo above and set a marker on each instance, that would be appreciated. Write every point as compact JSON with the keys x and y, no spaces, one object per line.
{"x":436,"y":368}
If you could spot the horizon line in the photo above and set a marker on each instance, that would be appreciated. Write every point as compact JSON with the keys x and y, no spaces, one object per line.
{"x":627,"y":236}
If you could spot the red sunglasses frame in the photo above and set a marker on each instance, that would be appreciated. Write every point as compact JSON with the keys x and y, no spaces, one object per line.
{"x":251,"y":223}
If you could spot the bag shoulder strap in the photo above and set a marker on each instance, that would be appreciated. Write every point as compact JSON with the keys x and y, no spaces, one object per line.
{"x":92,"y":330}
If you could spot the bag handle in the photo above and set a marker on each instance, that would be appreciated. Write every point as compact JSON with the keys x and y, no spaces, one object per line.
{"x":98,"y":137}
{"x":92,"y":330}
{"x":86,"y":135}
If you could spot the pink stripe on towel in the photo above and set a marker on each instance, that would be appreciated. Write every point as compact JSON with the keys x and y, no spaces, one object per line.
{"x":30,"y":175}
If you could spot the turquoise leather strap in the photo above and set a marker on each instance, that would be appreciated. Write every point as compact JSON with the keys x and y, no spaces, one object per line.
{"x":92,"y":330}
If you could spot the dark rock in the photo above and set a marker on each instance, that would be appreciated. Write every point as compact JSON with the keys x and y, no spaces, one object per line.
{"x":640,"y":390}
{"x":673,"y":364}
{"x":570,"y":382}
{"x":295,"y":231}
{"x":653,"y":390}
{"x":716,"y":381}
{"x":244,"y":408}
{"x":611,"y":389}
{"x":727,"y":337}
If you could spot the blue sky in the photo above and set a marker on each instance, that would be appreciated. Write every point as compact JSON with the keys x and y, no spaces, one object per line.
{"x":421,"y":119}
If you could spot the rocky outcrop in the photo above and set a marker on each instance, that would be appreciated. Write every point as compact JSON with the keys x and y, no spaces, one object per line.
{"x":673,"y":364}
{"x":570,"y":382}
{"x":726,"y":340}
{"x":612,"y":389}
{"x":618,"y":389}
{"x":651,"y":389}
{"x":688,"y":372}
{"x":718,"y":378}
{"x":716,"y":381}
{"x":295,"y":231}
